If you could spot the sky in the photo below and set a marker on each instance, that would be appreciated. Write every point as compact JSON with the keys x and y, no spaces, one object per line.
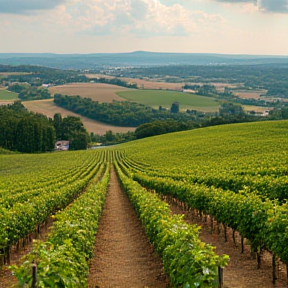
{"x":116,"y":26}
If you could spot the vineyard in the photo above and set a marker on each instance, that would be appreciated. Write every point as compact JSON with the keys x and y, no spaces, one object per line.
{"x":234,"y":176}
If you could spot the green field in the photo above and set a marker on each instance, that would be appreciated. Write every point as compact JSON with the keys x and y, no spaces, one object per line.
{"x":7,"y":95}
{"x":156,"y":98}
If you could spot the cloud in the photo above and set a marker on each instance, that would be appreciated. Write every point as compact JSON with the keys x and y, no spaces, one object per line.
{"x":238,"y":1}
{"x":277,"y":6}
{"x":143,"y":18}
{"x":273,"y":6}
{"x":27,"y":6}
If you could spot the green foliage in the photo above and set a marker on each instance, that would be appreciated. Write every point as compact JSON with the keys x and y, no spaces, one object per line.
{"x":5,"y":152}
{"x":162,"y":127}
{"x":24,"y":131}
{"x":164,"y":98}
{"x":235,"y":173}
{"x":124,"y":113}
{"x":62,"y":261}
{"x":71,"y":128}
{"x":110,"y":138}
{"x":114,"y":81}
{"x":28,"y":92}
{"x":174,"y":107}
{"x":230,"y":109}
{"x":30,"y":200}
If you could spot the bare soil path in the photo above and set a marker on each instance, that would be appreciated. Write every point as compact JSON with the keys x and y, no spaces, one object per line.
{"x":123,"y":256}
{"x":241,"y":271}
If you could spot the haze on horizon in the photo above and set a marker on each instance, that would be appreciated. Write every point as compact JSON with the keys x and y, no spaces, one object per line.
{"x":113,"y":26}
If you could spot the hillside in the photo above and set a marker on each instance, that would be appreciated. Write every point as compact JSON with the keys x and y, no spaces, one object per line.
{"x":235,"y":175}
{"x":230,"y":179}
{"x":223,"y":146}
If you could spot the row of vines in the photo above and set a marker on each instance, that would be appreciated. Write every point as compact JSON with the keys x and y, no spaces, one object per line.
{"x":236,"y":174}
{"x":34,"y":188}
{"x":187,"y":260}
{"x":62,"y":260}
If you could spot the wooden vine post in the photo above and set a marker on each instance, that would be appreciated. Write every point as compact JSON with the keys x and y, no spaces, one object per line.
{"x":274,"y":278}
{"x":220,"y":277}
{"x":34,"y":275}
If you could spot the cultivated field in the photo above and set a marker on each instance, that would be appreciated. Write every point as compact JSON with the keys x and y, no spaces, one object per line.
{"x":49,"y":108}
{"x":96,"y":91}
{"x":156,"y":98}
{"x":144,"y":83}
{"x":7,"y":95}
{"x":5,"y":74}
{"x":159,"y":83}
{"x":256,"y":108}
{"x":249,"y":94}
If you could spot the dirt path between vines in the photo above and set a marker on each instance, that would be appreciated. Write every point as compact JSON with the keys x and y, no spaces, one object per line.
{"x":123,"y":256}
{"x":241,"y":271}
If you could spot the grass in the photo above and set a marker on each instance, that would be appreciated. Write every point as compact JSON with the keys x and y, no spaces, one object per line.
{"x":6,"y":152}
{"x":156,"y":98}
{"x":7,"y":95}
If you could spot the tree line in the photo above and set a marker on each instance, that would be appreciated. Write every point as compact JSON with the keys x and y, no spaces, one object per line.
{"x":118,"y":113}
{"x":29,"y":132}
{"x":27,"y":92}
{"x":24,"y":131}
{"x":37,"y":75}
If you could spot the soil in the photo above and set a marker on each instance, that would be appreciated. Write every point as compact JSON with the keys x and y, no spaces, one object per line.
{"x":241,"y":271}
{"x":123,"y":256}
{"x":96,"y":91}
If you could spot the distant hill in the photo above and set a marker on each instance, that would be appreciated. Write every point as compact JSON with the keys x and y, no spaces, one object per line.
{"x":138,"y":58}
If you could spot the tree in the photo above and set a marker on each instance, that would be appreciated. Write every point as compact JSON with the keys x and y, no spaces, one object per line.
{"x":57,"y":122}
{"x":231,"y":109}
{"x":174,"y":107}
{"x":72,"y":129}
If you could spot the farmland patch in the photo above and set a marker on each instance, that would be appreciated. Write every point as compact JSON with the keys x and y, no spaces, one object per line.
{"x":96,"y":91}
{"x":156,"y":98}
{"x":49,"y":108}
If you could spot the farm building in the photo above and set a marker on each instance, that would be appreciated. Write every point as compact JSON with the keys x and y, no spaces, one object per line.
{"x":62,"y":145}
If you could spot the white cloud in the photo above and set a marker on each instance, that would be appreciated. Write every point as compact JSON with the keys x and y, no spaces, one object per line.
{"x":139,"y":17}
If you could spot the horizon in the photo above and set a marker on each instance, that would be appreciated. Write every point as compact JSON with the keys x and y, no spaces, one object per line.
{"x":141,"y":51}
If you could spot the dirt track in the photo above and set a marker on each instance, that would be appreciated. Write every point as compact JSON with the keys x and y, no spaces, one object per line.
{"x":124,"y":258}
